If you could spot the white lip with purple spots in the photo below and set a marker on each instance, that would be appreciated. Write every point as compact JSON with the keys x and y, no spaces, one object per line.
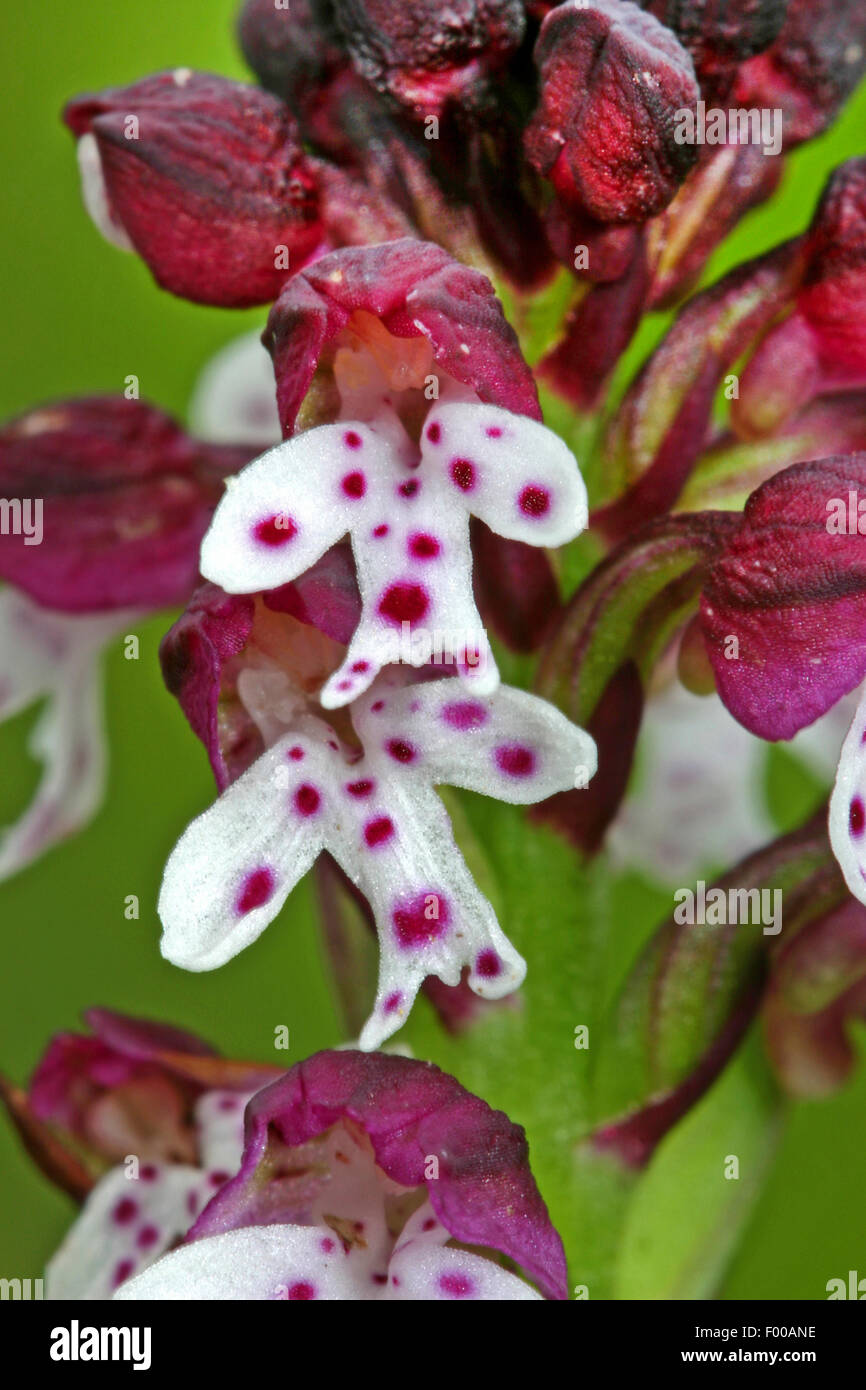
{"x":380,"y":817}
{"x":407,"y":512}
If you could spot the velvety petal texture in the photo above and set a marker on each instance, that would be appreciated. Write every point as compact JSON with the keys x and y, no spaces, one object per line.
{"x":205,"y":178}
{"x":783,"y":606}
{"x":380,"y":818}
{"x":415,"y":290}
{"x":409,"y":523}
{"x":612,"y":79}
{"x":122,"y":497}
{"x":427,"y":60}
{"x":341,"y":1134}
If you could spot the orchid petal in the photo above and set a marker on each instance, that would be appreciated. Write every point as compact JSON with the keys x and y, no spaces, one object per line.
{"x":848,"y":806}
{"x":219,"y":1118}
{"x":234,"y":867}
{"x":51,"y":655}
{"x":513,"y":746}
{"x":420,"y":1270}
{"x":124,"y":1226}
{"x":409,"y":524}
{"x":382,"y":821}
{"x":515,"y":474}
{"x":296,"y":1263}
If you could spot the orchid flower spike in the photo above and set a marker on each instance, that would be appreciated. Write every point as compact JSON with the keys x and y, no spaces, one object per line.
{"x":407,"y":509}
{"x":368,"y":797}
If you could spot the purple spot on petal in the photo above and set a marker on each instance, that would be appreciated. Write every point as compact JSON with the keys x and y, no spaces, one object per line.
{"x":488,"y":964}
{"x":534,"y":500}
{"x":275,"y":530}
{"x":856,"y":817}
{"x":493,"y":432}
{"x":400,"y":750}
{"x":429,"y":1224}
{"x":122,"y":1271}
{"x":410,"y":488}
{"x":327,"y":1245}
{"x":228,"y":1103}
{"x":147,"y":1172}
{"x":465,"y":714}
{"x":361,"y":788}
{"x":307,"y":800}
{"x":515,"y":760}
{"x":392,"y":1002}
{"x":354,"y":485}
{"x":379,"y":1278}
{"x":404,"y":603}
{"x":296,"y":754}
{"x":421,"y":919}
{"x":463,"y":474}
{"x":377,"y":832}
{"x":359,"y":667}
{"x":300,"y":1292}
{"x":380,"y":531}
{"x":377,"y":706}
{"x":147,"y":1236}
{"x":423,"y":546}
{"x":352,"y":440}
{"x":124,"y":1212}
{"x":456,"y":1285}
{"x":434,"y":432}
{"x":256,"y":889}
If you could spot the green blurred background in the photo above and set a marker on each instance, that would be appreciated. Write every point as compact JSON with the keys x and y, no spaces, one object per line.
{"x":78,"y":318}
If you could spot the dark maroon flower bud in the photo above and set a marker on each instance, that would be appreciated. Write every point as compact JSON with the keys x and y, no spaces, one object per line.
{"x":821,"y":346}
{"x":123,"y":497}
{"x":130,"y":1086}
{"x":428,"y":57}
{"x":811,"y":69}
{"x":596,"y":251}
{"x":205,"y":178}
{"x":294,"y":50}
{"x":784,"y":604}
{"x":604,"y":133}
{"x":720,"y":35}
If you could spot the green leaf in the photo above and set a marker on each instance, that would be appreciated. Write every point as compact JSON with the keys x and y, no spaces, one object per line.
{"x":687,"y":1215}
